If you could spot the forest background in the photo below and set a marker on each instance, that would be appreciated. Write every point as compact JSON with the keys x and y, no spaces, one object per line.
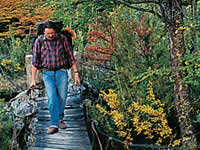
{"x":141,"y":56}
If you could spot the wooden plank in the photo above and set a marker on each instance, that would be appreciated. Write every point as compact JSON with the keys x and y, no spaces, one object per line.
{"x":47,"y":115}
{"x":71,"y":97}
{"x":68,"y":148}
{"x":83,"y":128}
{"x":66,"y":118}
{"x":44,"y":106}
{"x":67,"y":141}
{"x":70,"y":124}
{"x":69,"y":101}
{"x":81,"y":146}
{"x":44,"y":148}
{"x":64,"y":138}
{"x":62,"y":134}
{"x":66,"y":111}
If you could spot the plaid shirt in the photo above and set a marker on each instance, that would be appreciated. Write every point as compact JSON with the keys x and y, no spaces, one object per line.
{"x":52,"y":54}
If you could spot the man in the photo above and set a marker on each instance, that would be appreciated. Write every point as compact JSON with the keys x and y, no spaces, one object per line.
{"x":52,"y":56}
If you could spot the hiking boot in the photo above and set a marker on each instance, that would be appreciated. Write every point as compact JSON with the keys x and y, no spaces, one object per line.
{"x":52,"y":130}
{"x":62,"y":125}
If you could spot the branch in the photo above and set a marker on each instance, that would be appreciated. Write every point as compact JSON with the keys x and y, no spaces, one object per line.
{"x":142,"y":2}
{"x":140,"y":9}
{"x":165,"y":18}
{"x":187,"y":2}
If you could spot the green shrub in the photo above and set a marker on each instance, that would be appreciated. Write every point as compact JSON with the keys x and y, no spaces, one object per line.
{"x":5,"y":127}
{"x":19,"y":49}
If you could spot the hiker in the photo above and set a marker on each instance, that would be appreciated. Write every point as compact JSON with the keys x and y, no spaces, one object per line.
{"x":53,"y":54}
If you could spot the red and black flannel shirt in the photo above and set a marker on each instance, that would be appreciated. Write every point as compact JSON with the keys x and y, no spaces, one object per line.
{"x":52,"y":54}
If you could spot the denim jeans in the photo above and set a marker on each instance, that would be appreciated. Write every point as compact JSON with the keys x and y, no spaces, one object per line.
{"x":56,"y":83}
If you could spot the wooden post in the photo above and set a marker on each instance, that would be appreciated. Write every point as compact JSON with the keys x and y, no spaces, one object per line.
{"x":28,"y":64}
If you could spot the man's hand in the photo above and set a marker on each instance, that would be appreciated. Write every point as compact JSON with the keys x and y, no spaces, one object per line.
{"x":33,"y":84}
{"x":76,"y":74}
{"x":77,"y":79}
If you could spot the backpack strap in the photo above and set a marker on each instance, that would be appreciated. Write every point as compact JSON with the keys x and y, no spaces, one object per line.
{"x":41,"y":37}
{"x":61,"y":40}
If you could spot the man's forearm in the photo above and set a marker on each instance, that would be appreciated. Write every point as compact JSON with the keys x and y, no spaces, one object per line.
{"x":74,"y":67}
{"x":34,"y":71}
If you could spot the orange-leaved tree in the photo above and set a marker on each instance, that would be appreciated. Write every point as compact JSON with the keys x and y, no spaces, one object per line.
{"x":101,"y":40}
{"x":21,"y":15}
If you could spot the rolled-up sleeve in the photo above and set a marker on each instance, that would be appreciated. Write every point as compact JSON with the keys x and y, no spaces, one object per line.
{"x":36,"y":61}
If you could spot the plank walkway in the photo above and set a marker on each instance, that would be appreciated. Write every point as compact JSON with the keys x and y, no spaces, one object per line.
{"x":75,"y":137}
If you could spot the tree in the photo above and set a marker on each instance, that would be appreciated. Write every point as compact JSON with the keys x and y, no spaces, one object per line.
{"x":171,"y":12}
{"x":21,"y":15}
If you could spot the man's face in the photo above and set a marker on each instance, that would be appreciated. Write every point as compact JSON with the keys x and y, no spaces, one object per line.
{"x":49,"y":33}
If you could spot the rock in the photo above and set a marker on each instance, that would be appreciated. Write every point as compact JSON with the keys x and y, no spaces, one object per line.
{"x":89,"y":91}
{"x":22,"y":109}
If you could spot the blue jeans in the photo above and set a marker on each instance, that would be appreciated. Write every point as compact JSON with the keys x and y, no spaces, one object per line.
{"x":56,"y":87}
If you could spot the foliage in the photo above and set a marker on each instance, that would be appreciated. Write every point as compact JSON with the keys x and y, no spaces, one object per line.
{"x":8,"y":67}
{"x":143,"y":116}
{"x":97,"y":52}
{"x":137,"y":54}
{"x":77,"y":14}
{"x":5,"y":127}
{"x":175,"y":26}
{"x":21,"y":15}
{"x":191,"y":59}
{"x":192,"y":67}
{"x":12,"y":65}
{"x":5,"y":87}
{"x":133,"y":50}
{"x":142,"y":55}
{"x":101,"y":41}
{"x":19,"y":49}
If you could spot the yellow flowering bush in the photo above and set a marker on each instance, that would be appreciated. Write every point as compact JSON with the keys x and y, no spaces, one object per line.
{"x":117,"y":114}
{"x":9,"y":66}
{"x":144,"y":116}
{"x":5,"y":87}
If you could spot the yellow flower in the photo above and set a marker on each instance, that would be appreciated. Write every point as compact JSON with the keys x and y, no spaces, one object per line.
{"x":191,"y":25}
{"x":176,"y":142}
{"x":182,"y":28}
{"x":121,"y":133}
{"x":101,"y":109}
{"x":136,"y":119}
{"x":5,"y":62}
{"x":130,"y":109}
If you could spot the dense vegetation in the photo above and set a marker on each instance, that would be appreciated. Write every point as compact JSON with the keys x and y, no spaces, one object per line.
{"x":141,"y":56}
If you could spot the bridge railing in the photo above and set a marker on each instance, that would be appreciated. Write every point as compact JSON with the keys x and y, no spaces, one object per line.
{"x":96,"y":139}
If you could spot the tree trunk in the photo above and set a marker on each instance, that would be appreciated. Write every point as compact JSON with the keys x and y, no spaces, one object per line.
{"x":181,"y":90}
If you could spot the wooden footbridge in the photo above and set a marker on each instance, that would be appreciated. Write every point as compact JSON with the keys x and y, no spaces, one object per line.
{"x":74,"y":137}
